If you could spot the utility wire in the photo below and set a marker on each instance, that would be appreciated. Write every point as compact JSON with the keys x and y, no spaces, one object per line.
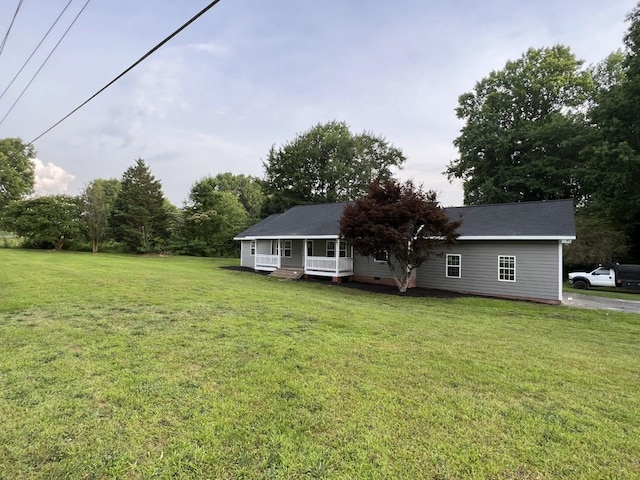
{"x":139,"y":61}
{"x":4,"y":40}
{"x":44,"y":63}
{"x":35,"y":49}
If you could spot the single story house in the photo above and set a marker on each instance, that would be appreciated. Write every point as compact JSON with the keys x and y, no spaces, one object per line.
{"x":511,"y":250}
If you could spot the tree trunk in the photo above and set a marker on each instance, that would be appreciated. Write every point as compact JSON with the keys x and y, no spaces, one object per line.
{"x":94,"y":245}
{"x":59,"y":243}
{"x":403,"y":282}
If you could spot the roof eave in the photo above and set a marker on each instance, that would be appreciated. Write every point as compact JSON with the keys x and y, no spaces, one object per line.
{"x":288,"y":237}
{"x":517,"y":237}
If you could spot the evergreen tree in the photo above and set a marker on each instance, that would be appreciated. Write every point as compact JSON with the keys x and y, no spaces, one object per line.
{"x":139,"y":218}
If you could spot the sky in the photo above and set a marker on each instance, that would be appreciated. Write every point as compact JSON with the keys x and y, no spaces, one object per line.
{"x":251,"y":74}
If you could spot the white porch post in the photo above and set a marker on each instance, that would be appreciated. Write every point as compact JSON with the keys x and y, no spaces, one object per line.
{"x":278,"y":252}
{"x":560,"y":278}
{"x":304,"y":255}
{"x":337,"y":257}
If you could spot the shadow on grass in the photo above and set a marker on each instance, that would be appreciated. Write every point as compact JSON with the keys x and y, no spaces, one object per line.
{"x":365,"y":287}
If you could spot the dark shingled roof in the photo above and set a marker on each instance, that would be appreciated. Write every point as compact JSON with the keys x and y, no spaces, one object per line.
{"x":303,"y":220}
{"x":552,"y":218}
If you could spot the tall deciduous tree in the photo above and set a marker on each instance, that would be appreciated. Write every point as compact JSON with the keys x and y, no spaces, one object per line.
{"x":524,"y":128}
{"x":210,"y":220}
{"x":97,"y":199}
{"x":247,"y":190}
{"x":47,"y":221}
{"x":17,"y":175}
{"x":598,"y":240}
{"x":139,"y":218}
{"x":400,"y":221}
{"x":326,"y":164}
{"x":613,"y":170}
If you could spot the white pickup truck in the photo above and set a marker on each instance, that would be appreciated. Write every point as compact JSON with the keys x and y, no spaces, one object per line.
{"x":625,"y":276}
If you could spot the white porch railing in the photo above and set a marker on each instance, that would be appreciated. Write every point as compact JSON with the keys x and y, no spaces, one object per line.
{"x":328,"y":264}
{"x":270,"y":261}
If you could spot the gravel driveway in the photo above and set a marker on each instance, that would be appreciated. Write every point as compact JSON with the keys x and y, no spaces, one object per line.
{"x":600,"y":303}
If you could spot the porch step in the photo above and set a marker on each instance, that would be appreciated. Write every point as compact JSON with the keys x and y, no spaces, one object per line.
{"x":288,"y":273}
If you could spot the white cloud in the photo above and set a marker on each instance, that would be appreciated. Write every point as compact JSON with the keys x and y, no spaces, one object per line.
{"x":51,"y":179}
{"x":252,"y":76}
{"x":210,"y":47}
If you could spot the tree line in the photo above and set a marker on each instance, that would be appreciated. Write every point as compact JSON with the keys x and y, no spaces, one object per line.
{"x":544,"y":127}
{"x":327,"y":163}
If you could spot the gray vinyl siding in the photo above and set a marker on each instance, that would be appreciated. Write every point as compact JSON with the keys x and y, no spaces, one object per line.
{"x":296,"y":259}
{"x":263,"y":247}
{"x":246,"y":259}
{"x":320,"y":247}
{"x":368,"y":267}
{"x":536,"y":269}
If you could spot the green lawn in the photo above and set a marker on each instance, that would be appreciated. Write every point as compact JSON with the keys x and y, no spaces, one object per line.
{"x":126,"y":367}
{"x":609,"y":292}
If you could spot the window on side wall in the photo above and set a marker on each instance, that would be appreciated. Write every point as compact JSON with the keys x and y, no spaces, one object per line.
{"x":343,"y":249}
{"x":454,"y":266}
{"x":252,"y":248}
{"x":381,"y":257}
{"x":506,"y":268}
{"x":331,"y":248}
{"x":309,"y":248}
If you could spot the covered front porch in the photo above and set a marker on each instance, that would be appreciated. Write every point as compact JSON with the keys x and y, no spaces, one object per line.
{"x":325,"y":257}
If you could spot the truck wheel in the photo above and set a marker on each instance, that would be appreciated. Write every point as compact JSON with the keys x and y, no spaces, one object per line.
{"x":581,"y":284}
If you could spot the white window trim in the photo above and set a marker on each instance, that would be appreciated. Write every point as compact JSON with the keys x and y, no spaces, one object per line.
{"x":283,"y":251}
{"x":252,"y":248}
{"x":332,"y":242}
{"x":500,"y":257}
{"x":459,"y":265}
{"x":376,"y":260}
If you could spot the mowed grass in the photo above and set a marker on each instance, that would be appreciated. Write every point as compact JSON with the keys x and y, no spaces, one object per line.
{"x":147,"y":367}
{"x":608,"y":292}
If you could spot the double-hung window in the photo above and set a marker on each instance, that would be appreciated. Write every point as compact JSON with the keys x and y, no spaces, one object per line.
{"x":252,"y":248}
{"x":331,"y":248}
{"x":381,"y":256}
{"x":506,"y":268}
{"x":454,"y":266}
{"x":286,"y":248}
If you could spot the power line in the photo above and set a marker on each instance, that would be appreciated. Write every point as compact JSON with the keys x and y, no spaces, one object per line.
{"x":4,"y":40}
{"x":139,"y":61}
{"x":44,"y":63}
{"x":35,"y":49}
